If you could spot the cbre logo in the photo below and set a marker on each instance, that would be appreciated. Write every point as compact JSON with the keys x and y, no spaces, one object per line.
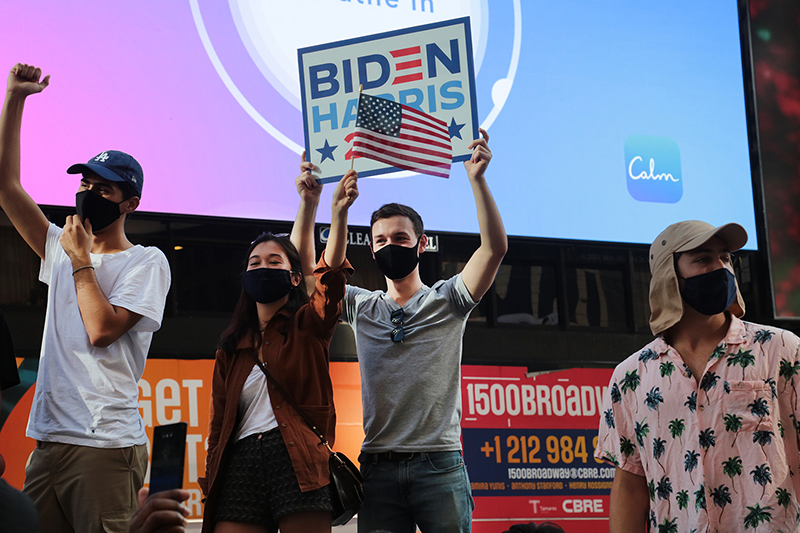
{"x":653,"y":169}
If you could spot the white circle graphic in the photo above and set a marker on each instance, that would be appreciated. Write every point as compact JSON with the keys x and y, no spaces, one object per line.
{"x":271,"y":32}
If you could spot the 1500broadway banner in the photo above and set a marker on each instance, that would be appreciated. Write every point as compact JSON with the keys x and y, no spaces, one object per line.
{"x":529,"y":447}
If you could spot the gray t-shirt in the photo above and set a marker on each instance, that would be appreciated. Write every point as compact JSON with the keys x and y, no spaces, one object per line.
{"x":410,"y":390}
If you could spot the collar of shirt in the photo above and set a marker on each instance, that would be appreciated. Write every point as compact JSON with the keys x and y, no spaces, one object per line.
{"x":279,"y":322}
{"x":736,"y":335}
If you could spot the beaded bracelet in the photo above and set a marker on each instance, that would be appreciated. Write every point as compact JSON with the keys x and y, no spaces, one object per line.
{"x":81,"y":268}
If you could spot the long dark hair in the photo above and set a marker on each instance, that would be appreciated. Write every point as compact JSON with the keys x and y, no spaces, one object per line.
{"x":244,"y":321}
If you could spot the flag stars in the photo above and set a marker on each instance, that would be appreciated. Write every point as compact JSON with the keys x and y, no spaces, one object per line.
{"x":380,"y":115}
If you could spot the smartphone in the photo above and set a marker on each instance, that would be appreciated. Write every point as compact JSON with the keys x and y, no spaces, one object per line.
{"x":169,"y":451}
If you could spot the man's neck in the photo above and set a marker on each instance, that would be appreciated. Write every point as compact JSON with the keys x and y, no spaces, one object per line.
{"x":696,"y":336}
{"x":111,"y":240}
{"x":401,"y":290}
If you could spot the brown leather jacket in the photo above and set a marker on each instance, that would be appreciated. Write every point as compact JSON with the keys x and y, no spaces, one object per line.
{"x":295,"y":350}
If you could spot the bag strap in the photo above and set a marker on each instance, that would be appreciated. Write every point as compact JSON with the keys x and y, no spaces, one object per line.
{"x":289,"y":399}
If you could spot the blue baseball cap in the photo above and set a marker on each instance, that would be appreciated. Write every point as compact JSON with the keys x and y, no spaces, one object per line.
{"x":113,"y":165}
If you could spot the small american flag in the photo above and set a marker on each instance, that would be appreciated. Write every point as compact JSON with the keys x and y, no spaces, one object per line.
{"x":401,"y":136}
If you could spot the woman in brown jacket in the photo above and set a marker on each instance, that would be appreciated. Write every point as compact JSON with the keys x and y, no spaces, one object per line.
{"x":265,"y":469}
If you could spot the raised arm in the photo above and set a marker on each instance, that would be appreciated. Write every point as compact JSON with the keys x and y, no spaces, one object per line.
{"x":481,"y":268}
{"x":28,"y":219}
{"x":344,"y":195}
{"x":302,"y":236}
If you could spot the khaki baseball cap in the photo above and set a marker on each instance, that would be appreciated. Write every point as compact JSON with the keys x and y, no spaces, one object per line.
{"x":666,"y":303}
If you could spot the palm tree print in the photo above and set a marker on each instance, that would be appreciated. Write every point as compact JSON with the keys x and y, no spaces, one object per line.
{"x":676,"y":428}
{"x":757,"y":516}
{"x":683,"y":499}
{"x":773,"y":387}
{"x":762,"y":438}
{"x":611,"y":458}
{"x":763,"y":336}
{"x":652,"y":399}
{"x":652,"y":520}
{"x":707,"y":439}
{"x":687,"y":371}
{"x":651,"y":488}
{"x":719,"y":351}
{"x":647,"y":355}
{"x":616,"y":396}
{"x":795,"y":423}
{"x":658,"y":451}
{"x":721,"y":497}
{"x":732,"y":467}
{"x":626,"y":447}
{"x":690,"y":462}
{"x":708,"y":382}
{"x":609,"y":416}
{"x":691,"y":402}
{"x":630,"y":383}
{"x":700,"y":498}
{"x":762,"y":475}
{"x":784,"y":498}
{"x":668,"y":526}
{"x":726,"y":387}
{"x":759,"y":408}
{"x":788,"y":371}
{"x":641,"y":429}
{"x":743,"y":358}
{"x":664,"y":489}
{"x":666,"y":369}
{"x":733,"y":423}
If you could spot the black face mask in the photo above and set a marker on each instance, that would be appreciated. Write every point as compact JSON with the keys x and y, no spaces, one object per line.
{"x":397,"y":262}
{"x":710,"y":293}
{"x":100,"y":212}
{"x":267,"y":285}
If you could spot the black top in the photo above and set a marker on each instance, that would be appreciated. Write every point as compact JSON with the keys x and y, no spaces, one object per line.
{"x":9,"y":376}
{"x":17,"y":513}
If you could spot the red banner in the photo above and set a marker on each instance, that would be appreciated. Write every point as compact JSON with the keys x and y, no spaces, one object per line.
{"x":529,"y":445}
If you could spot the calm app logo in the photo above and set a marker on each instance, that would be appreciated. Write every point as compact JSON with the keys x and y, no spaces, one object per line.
{"x":653,"y":169}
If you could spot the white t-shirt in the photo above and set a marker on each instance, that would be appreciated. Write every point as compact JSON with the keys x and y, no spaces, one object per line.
{"x":255,"y":407}
{"x":86,"y":395}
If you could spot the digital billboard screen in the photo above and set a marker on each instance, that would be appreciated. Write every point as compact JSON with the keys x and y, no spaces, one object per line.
{"x":608,"y":120}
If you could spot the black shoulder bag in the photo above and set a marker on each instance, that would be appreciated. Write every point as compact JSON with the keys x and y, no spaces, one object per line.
{"x":347,"y":493}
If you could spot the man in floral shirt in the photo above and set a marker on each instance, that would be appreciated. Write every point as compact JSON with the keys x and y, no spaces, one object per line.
{"x":702,"y":424}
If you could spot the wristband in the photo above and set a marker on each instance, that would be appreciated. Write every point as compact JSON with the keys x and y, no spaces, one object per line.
{"x":81,"y":268}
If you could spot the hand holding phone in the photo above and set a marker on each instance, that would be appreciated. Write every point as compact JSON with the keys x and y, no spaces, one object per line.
{"x":169,"y":452}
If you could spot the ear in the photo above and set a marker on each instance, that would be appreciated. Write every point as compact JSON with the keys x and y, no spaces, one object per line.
{"x":423,"y":243}
{"x":133,"y":203}
{"x":297,"y":277}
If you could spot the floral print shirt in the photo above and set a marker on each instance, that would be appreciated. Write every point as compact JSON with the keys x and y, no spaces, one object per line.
{"x":718,"y":455}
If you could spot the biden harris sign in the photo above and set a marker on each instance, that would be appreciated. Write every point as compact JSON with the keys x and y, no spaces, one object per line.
{"x":429,"y":68}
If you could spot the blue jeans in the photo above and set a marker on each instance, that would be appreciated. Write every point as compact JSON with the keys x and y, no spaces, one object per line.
{"x":430,"y":490}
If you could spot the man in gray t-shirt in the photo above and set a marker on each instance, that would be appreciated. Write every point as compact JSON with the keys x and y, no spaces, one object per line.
{"x":409,"y":341}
